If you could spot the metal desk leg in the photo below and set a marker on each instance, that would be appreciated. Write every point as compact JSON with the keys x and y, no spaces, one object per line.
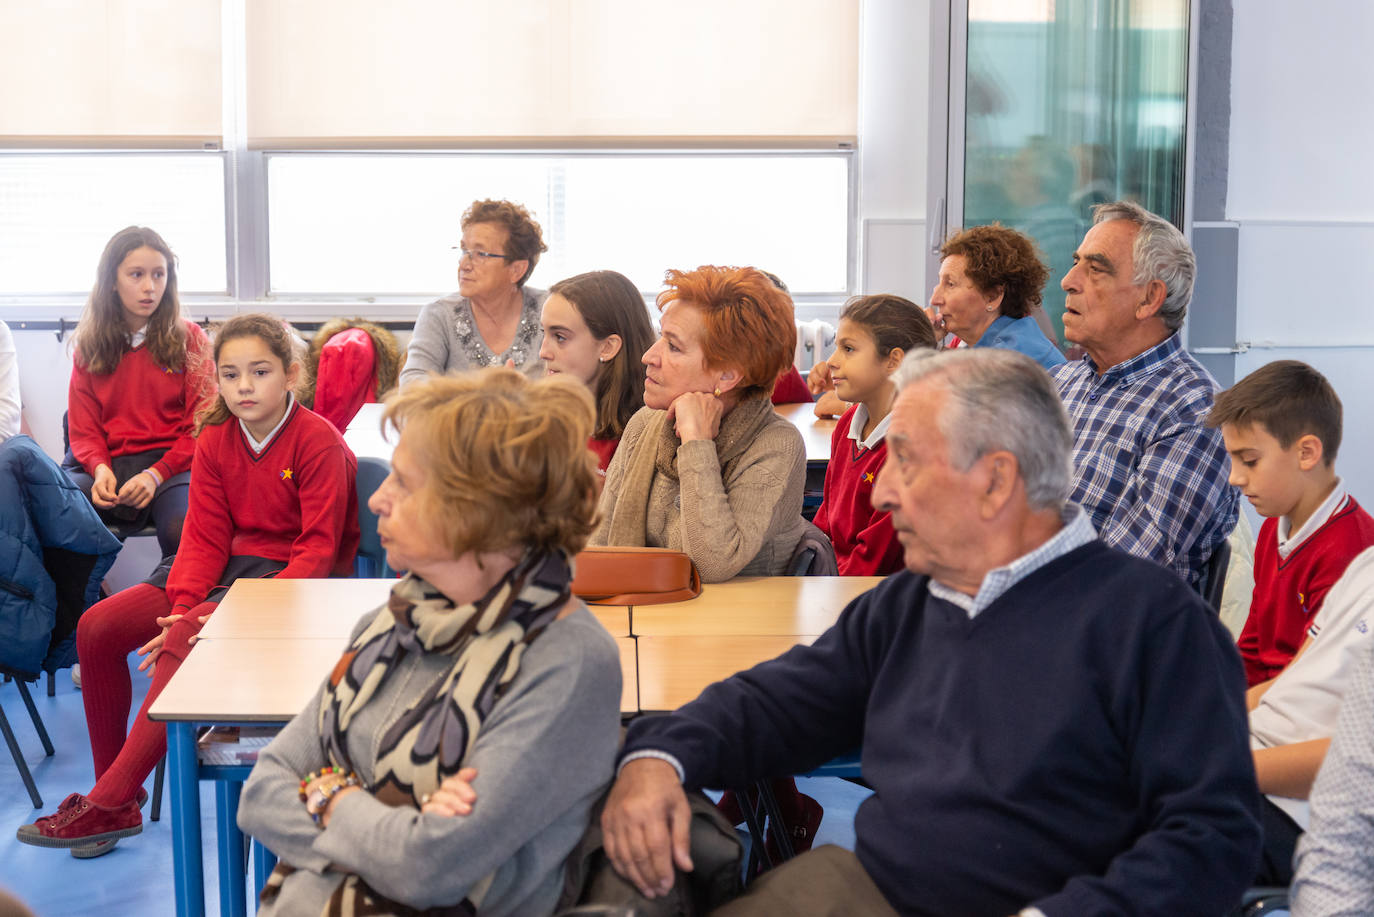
{"x":264,"y":861}
{"x":231,"y":872}
{"x":186,"y":864}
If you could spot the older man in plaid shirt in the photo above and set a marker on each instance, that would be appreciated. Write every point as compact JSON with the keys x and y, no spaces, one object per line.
{"x":1150,"y":474}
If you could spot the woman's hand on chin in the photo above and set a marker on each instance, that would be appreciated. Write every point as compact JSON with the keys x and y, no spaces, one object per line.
{"x":696,"y":415}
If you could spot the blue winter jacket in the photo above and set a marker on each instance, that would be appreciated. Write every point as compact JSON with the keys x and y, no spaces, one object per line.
{"x":40,"y":508}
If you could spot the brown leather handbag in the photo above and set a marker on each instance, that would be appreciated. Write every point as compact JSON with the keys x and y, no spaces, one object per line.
{"x":634,"y":576}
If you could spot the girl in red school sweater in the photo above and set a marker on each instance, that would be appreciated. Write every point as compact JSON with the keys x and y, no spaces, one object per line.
{"x":272,"y":494}
{"x":139,"y":376}
{"x":596,"y":327}
{"x":875,"y":333}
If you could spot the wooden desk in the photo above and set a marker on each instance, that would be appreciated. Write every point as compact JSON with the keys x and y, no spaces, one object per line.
{"x":815,"y":431}
{"x":315,"y":608}
{"x":674,"y":670}
{"x":364,"y":434}
{"x":247,"y":680}
{"x":755,"y":605}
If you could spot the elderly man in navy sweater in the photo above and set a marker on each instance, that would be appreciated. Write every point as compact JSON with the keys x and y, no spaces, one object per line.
{"x":1050,"y":726}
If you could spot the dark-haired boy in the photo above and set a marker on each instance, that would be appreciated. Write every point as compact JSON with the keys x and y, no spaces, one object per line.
{"x":1282,"y":427}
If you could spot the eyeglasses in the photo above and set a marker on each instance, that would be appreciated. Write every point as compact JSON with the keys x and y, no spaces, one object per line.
{"x":477,"y":256}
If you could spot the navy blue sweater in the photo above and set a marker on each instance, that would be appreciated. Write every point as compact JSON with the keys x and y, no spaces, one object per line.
{"x":1081,"y":745}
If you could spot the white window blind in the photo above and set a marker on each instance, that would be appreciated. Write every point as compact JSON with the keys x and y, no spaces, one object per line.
{"x":110,"y":73}
{"x":566,"y":73}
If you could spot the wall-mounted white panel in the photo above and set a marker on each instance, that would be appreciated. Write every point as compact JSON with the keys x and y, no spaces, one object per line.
{"x":1303,"y":284}
{"x":1300,"y":125}
{"x":893,"y":261}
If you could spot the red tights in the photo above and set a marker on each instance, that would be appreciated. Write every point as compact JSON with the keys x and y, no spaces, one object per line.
{"x":105,"y":637}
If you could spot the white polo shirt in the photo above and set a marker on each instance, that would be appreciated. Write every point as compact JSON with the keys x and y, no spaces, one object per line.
{"x":1305,"y":699}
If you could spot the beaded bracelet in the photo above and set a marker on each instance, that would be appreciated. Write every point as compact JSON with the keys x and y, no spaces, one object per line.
{"x":316,"y":775}
{"x":317,"y":799}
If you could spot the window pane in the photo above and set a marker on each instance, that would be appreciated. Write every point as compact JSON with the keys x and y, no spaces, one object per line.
{"x":57,"y":211}
{"x":385,"y":223}
{"x":1072,"y":103}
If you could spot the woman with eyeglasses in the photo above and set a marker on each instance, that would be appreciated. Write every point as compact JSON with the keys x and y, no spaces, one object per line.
{"x":493,"y":319}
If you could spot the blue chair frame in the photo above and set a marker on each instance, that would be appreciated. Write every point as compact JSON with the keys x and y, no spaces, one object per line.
{"x":371,"y":560}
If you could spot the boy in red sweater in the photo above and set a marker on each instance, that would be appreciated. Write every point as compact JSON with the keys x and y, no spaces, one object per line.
{"x":1282,"y":427}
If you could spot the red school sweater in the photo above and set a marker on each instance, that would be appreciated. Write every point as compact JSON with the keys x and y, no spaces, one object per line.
{"x":1290,"y":591}
{"x":865,"y":544}
{"x":139,"y":407}
{"x":605,"y":451}
{"x":294,"y":502}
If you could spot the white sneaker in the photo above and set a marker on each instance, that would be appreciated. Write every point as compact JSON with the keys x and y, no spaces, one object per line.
{"x":76,"y":674}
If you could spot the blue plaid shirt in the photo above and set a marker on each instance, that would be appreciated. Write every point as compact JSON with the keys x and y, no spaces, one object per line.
{"x":1151,"y":476}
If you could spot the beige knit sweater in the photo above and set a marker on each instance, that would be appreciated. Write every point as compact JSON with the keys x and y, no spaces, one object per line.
{"x":746,"y":525}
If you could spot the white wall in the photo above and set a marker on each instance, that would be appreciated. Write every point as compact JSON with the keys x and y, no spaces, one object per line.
{"x":45,"y":366}
{"x":1300,"y":189}
{"x":894,"y":98}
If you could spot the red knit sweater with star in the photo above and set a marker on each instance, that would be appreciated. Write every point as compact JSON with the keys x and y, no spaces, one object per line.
{"x":294,"y":502}
{"x":139,"y":407}
{"x":1290,"y":591}
{"x":865,"y":544}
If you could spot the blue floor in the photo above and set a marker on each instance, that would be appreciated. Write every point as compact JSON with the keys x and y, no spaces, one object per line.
{"x":136,"y":877}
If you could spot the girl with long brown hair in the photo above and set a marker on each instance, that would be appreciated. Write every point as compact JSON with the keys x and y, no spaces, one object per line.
{"x":596,"y":327}
{"x":139,"y":375}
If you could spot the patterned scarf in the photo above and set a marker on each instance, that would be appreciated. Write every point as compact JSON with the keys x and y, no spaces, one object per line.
{"x":431,"y":738}
{"x":655,"y":452}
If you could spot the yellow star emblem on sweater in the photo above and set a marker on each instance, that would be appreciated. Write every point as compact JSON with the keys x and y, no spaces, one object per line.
{"x":286,"y":474}
{"x":868,"y":477}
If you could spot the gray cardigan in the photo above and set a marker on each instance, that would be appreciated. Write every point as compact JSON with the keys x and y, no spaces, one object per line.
{"x":543,"y":758}
{"x":446,"y":340}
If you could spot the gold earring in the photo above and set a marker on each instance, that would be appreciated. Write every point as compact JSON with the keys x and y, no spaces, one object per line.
{"x":717,"y":391}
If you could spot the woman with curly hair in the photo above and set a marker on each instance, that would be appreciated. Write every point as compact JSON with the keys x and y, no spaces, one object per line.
{"x":493,"y":319}
{"x":990,"y":282}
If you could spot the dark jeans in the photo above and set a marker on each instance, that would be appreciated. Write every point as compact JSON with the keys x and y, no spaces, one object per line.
{"x":1281,"y":835}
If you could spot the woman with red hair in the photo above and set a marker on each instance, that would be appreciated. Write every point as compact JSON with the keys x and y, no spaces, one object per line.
{"x":706,"y":467}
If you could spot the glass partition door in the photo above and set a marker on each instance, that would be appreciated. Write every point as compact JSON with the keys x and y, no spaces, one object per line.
{"x":1057,"y":105}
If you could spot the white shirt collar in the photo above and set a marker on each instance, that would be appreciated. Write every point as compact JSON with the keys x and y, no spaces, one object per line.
{"x":1320,"y":516}
{"x":138,"y":337}
{"x":1077,"y":531}
{"x":856,"y":427}
{"x":257,"y":446}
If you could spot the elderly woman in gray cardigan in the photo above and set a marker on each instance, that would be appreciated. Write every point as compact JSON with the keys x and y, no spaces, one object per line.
{"x":493,"y":319}
{"x":706,"y":467}
{"x":451,"y":758}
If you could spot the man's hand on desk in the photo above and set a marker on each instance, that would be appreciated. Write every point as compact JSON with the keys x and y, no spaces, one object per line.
{"x":646,"y":825}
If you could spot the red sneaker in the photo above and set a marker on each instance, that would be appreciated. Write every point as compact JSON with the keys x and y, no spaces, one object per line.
{"x":100,"y":848}
{"x":79,"y":822}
